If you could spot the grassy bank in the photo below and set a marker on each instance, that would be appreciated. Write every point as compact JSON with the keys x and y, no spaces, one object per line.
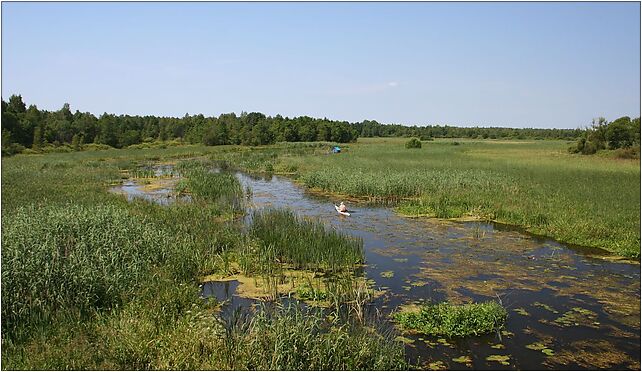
{"x":585,"y":200}
{"x":91,"y":281}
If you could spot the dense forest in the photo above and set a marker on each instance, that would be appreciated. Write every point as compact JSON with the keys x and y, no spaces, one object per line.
{"x":29,"y":127}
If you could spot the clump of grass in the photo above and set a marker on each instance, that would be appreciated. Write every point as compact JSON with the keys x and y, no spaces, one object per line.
{"x":449,"y":320}
{"x":288,"y":338}
{"x":208,"y":186}
{"x":303,"y":243}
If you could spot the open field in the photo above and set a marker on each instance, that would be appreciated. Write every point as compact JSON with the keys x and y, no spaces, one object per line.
{"x":536,"y":185}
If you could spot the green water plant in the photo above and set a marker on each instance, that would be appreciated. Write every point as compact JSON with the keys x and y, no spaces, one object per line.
{"x":288,"y":338}
{"x":445,"y":319}
{"x":304,"y":243}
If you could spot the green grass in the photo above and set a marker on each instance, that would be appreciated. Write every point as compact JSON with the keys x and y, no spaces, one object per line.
{"x":303,"y":243}
{"x":290,"y":339}
{"x":537,"y":185}
{"x":448,"y":320}
{"x":91,"y":281}
{"x":207,"y":186}
{"x":73,"y":257}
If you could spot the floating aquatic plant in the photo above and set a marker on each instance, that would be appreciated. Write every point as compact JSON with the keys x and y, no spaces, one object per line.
{"x":445,"y":319}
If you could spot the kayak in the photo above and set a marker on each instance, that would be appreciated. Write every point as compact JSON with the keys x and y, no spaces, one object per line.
{"x":343,"y":213}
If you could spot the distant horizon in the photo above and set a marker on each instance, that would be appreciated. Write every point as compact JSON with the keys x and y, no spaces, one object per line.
{"x":503,"y":65}
{"x":73,"y":110}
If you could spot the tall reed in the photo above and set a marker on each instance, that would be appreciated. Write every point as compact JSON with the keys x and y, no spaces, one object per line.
{"x":304,"y":243}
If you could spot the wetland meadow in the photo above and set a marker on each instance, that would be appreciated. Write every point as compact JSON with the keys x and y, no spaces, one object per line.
{"x":461,"y":254}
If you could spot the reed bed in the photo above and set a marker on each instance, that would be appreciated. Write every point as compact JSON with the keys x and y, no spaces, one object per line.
{"x":207,"y":186}
{"x":302,"y":243}
{"x":289,"y":338}
{"x":394,"y":185}
{"x":72,"y":257}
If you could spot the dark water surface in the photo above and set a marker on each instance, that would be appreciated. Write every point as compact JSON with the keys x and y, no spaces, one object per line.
{"x":584,"y":309}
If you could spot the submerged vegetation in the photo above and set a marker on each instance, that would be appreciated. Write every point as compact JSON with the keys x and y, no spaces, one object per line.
{"x":449,"y":320}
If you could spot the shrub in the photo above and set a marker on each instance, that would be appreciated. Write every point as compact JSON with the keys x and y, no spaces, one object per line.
{"x":628,"y":153}
{"x":444,"y":319}
{"x":12,"y":149}
{"x":413,"y":143}
{"x":96,"y":147}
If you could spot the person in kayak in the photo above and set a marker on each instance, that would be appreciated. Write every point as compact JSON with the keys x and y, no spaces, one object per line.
{"x":342,"y":207}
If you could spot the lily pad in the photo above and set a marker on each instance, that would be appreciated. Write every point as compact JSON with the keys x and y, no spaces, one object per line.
{"x":405,"y":340}
{"x":387,"y":274}
{"x":521,"y":311}
{"x":546,"y":307}
{"x":576,"y":317}
{"x":548,"y":352}
{"x":464,"y":359}
{"x":437,"y":366}
{"x":498,"y":346}
{"x":501,"y":359}
{"x":536,"y":346}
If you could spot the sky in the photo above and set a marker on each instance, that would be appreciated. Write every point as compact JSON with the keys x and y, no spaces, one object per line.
{"x":541,"y":65}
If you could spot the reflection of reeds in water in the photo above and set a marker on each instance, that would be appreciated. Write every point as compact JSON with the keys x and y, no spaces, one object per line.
{"x":479,"y":232}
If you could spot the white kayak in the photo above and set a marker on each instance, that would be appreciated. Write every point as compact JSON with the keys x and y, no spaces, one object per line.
{"x":343,"y":213}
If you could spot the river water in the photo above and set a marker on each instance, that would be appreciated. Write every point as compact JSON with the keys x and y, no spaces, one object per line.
{"x":583,"y":309}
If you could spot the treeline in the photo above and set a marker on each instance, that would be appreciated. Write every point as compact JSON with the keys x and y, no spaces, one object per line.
{"x":622,"y":133}
{"x":29,"y":127}
{"x":370,"y":128}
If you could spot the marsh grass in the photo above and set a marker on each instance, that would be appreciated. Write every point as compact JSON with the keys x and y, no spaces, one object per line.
{"x":537,"y":185}
{"x":91,"y":281}
{"x":304,"y":244}
{"x":52,"y":257}
{"x":207,"y":186}
{"x":444,"y":319}
{"x":289,"y":338}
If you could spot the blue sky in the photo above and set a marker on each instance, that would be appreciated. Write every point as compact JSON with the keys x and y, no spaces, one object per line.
{"x":500,"y":64}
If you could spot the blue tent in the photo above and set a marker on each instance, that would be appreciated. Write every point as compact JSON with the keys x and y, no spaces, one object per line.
{"x":336,"y":149}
